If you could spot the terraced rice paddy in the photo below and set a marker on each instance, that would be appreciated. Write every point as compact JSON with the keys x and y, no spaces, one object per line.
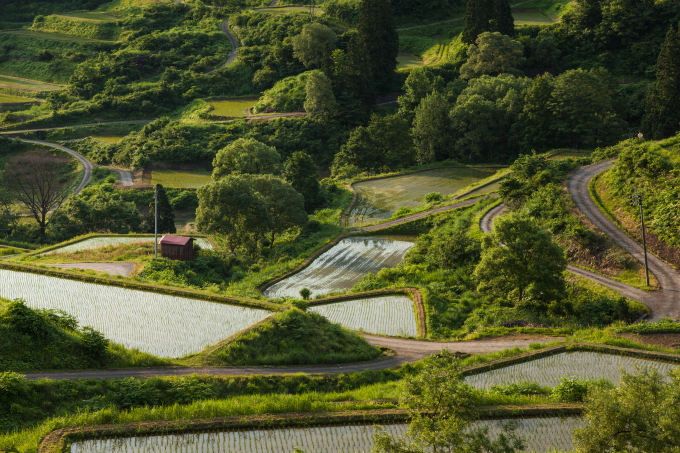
{"x":407,"y":60}
{"x":531,"y":18}
{"x":547,"y":371}
{"x":98,"y":242}
{"x":166,"y":326}
{"x":181,"y":179}
{"x":341,"y":267}
{"x":90,"y":16}
{"x":26,"y":84}
{"x":391,"y":315}
{"x":53,"y":36}
{"x":379,"y":199}
{"x":112,"y":139}
{"x":10,"y":99}
{"x":232,"y":108}
{"x":540,"y":434}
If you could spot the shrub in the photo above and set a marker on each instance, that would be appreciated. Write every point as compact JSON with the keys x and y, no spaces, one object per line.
{"x":433,"y":197}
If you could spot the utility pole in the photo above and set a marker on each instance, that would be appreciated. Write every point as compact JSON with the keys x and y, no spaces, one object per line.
{"x":637,"y":201}
{"x":311,"y":10}
{"x":155,"y":221}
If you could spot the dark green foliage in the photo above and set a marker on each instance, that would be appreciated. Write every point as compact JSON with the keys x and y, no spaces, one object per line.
{"x":294,"y":338}
{"x":25,"y":11}
{"x":166,"y":215}
{"x":301,"y":172}
{"x":662,"y":117}
{"x":487,"y":15}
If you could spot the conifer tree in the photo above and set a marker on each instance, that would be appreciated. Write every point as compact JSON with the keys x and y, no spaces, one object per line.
{"x":487,"y":15}
{"x":166,"y":215}
{"x":302,"y":174}
{"x":502,"y":20}
{"x":662,"y":116}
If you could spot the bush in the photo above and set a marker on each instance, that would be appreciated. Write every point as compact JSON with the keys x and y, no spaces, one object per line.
{"x":433,"y":197}
{"x":571,"y":390}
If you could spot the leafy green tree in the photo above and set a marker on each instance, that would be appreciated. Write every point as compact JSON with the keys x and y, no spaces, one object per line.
{"x":662,"y":116}
{"x":246,"y":156}
{"x":640,"y":414}
{"x":493,"y":54}
{"x":419,"y":83}
{"x":319,"y":99}
{"x":230,"y":207}
{"x":314,"y":45}
{"x":520,"y":263}
{"x":166,"y":215}
{"x":301,"y":172}
{"x":432,"y":134}
{"x":536,"y":119}
{"x":441,"y":408}
{"x":285,"y":206}
{"x":487,"y":15}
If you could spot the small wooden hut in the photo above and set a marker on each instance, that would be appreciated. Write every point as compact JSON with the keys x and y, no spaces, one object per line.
{"x":177,"y":247}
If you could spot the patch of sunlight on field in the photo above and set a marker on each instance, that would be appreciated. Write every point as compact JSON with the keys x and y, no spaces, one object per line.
{"x":26,"y":84}
{"x":380,"y":198}
{"x":53,"y":36}
{"x":232,"y":108}
{"x":10,"y":99}
{"x":342,"y":266}
{"x":532,"y":18}
{"x":108,"y":138}
{"x":408,"y":61}
{"x":90,"y":16}
{"x":181,"y":179}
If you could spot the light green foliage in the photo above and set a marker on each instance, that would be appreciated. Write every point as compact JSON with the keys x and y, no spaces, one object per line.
{"x":189,"y":179}
{"x":640,"y":415}
{"x":493,"y":54}
{"x":246,"y":156}
{"x":313,"y":46}
{"x":83,"y":28}
{"x":433,"y":197}
{"x":287,"y":95}
{"x":521,"y":264}
{"x":293,"y":338}
{"x":432,"y":131}
{"x":419,"y":84}
{"x":319,"y":97}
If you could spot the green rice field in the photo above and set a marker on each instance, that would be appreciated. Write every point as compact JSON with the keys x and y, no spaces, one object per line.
{"x":97,"y":242}
{"x":182,"y":179}
{"x":532,"y":18}
{"x":408,"y":61}
{"x":112,"y":139}
{"x":342,"y":266}
{"x":10,"y":99}
{"x":51,"y":35}
{"x":379,"y":199}
{"x":232,"y":108}
{"x":90,"y":16}
{"x":541,"y":435}
{"x":567,"y":154}
{"x":26,"y":84}
{"x":166,"y":326}
{"x":389,"y":315}
{"x":547,"y":371}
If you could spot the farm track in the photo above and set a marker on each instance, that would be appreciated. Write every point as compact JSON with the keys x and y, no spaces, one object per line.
{"x":664,"y":302}
{"x":233,"y":54}
{"x":405,"y":351}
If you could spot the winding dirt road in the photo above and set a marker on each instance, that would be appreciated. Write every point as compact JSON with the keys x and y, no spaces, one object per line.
{"x":87,"y":165}
{"x":406,"y":351}
{"x":233,"y":54}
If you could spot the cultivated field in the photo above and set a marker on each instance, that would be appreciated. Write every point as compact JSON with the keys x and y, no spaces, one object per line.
{"x":341,"y":267}
{"x":407,"y":60}
{"x":390,"y":315}
{"x":547,"y":371}
{"x":232,"y":108}
{"x":540,"y":434}
{"x":181,"y":179}
{"x":532,"y":18}
{"x":379,"y":199}
{"x":10,"y":99}
{"x":98,"y":242}
{"x":90,"y":16}
{"x":112,"y":139}
{"x":25,"y":84}
{"x":165,"y":326}
{"x":51,"y":35}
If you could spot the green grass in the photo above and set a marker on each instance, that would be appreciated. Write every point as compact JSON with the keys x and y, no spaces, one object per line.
{"x":26,"y":84}
{"x":90,"y":15}
{"x":52,"y":36}
{"x":293,"y":337}
{"x":232,"y":108}
{"x":108,"y":138}
{"x":532,"y":18}
{"x":185,"y":179}
{"x":571,"y":153}
{"x":291,"y":9}
{"x":10,"y":99}
{"x":408,"y":61}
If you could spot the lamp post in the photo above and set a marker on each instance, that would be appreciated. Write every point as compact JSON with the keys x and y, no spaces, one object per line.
{"x":636,"y":200}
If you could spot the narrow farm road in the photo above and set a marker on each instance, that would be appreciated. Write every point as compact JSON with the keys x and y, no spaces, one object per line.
{"x":87,"y":165}
{"x":233,"y":54}
{"x":76,"y":125}
{"x":664,"y":302}
{"x":125,"y":176}
{"x":406,"y":351}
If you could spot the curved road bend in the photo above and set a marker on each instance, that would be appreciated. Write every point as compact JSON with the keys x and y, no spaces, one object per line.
{"x":233,"y":54}
{"x":664,"y":303}
{"x":87,"y":165}
{"x":406,"y":351}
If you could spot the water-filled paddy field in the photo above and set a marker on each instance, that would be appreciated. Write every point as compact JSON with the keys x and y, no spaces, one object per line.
{"x":342,"y":266}
{"x":98,"y":242}
{"x":379,"y":199}
{"x":540,"y":434}
{"x":390,"y":315}
{"x":166,"y":326}
{"x":547,"y":371}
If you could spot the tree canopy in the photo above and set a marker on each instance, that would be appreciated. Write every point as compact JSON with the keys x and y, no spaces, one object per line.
{"x":246,"y":156}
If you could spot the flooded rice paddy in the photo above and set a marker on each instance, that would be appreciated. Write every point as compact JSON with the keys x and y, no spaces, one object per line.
{"x":98,"y":242}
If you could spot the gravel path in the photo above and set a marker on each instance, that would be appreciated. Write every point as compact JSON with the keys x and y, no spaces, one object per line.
{"x":406,"y":351}
{"x":89,"y":166}
{"x":123,"y":268}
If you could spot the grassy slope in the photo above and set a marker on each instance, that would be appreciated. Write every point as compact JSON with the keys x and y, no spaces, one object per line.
{"x":293,"y":337}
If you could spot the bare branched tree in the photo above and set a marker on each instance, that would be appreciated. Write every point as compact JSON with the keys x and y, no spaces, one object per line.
{"x":40,"y":181}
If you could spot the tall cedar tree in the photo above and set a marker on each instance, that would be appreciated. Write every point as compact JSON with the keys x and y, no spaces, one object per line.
{"x":302,"y":174}
{"x":662,"y":116}
{"x":166,"y":215}
{"x":377,"y":36}
{"x":487,"y":15}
